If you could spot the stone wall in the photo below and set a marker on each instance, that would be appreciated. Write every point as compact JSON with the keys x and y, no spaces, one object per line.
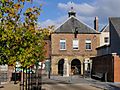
{"x":68,"y":60}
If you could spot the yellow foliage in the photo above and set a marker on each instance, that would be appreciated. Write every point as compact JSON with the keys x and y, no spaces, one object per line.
{"x":23,"y":0}
{"x":6,"y":0}
{"x":17,"y":6}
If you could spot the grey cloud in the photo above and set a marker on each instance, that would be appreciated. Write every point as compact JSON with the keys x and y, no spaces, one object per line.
{"x":108,"y":8}
{"x":50,"y":22}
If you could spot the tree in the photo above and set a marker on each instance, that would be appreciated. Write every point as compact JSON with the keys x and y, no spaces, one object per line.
{"x":20,"y":41}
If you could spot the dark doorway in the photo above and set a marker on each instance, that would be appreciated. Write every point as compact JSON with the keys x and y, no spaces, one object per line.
{"x":76,"y":67}
{"x":61,"y":67}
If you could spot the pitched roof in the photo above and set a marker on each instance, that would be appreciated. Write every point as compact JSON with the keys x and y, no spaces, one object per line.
{"x":105,"y":28}
{"x":115,"y":21}
{"x":70,"y":25}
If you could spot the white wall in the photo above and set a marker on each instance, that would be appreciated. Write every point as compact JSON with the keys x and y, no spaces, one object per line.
{"x":102,"y":36}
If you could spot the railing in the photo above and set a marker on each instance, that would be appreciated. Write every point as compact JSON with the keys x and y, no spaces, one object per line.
{"x":31,"y":81}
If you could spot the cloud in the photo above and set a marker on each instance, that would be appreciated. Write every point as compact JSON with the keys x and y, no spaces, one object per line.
{"x":50,"y":22}
{"x":87,"y":11}
{"x":87,"y":20}
{"x":101,"y":8}
{"x":108,"y":7}
{"x":46,"y":23}
{"x":83,"y":9}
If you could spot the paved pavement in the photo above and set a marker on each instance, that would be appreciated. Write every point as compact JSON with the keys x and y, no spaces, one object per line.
{"x":10,"y":86}
{"x":81,"y":80}
{"x":69,"y":87}
{"x":55,"y":83}
{"x":116,"y":86}
{"x":69,"y":83}
{"x":87,"y":81}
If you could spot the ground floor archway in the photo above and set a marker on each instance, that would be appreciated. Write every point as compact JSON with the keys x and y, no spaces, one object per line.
{"x":61,"y":67}
{"x":75,"y":67}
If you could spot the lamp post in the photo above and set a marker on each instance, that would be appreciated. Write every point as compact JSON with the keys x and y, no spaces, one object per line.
{"x":15,"y":76}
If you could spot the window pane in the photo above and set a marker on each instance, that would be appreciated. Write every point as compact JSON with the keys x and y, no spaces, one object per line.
{"x":106,"y":39}
{"x":75,"y":44}
{"x":88,"y":44}
{"x":62,"y":44}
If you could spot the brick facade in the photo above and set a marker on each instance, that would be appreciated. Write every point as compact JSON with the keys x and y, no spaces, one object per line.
{"x":69,"y":50}
{"x":69,"y":54}
{"x":47,"y":49}
{"x":116,"y":68}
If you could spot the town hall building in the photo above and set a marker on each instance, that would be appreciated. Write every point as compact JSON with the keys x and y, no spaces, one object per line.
{"x":72,"y":45}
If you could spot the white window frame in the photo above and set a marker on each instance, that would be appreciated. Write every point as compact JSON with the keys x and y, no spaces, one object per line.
{"x":106,"y":38}
{"x":75,"y":44}
{"x":61,"y":43}
{"x":88,"y":41}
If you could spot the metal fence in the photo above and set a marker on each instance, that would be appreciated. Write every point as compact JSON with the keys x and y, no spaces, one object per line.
{"x":31,"y":81}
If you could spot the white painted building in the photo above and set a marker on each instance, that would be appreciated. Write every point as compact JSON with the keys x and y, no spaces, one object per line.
{"x":105,"y":36}
{"x":104,"y":41}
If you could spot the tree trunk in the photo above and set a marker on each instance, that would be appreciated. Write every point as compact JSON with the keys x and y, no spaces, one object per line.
{"x":0,"y":75}
{"x":26,"y":80}
{"x":29,"y":79}
{"x":23,"y":79}
{"x":36,"y":77}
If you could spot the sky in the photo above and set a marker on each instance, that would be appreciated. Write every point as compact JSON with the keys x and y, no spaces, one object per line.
{"x":55,"y":12}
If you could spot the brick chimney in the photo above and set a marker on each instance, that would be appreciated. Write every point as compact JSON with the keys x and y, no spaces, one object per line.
{"x":96,"y":26}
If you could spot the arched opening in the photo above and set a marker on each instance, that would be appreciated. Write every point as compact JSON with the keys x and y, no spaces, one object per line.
{"x":75,"y":67}
{"x":61,"y":67}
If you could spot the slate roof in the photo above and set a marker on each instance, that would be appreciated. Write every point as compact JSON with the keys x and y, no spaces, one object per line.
{"x":105,"y":28}
{"x":115,"y":21}
{"x":70,"y":25}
